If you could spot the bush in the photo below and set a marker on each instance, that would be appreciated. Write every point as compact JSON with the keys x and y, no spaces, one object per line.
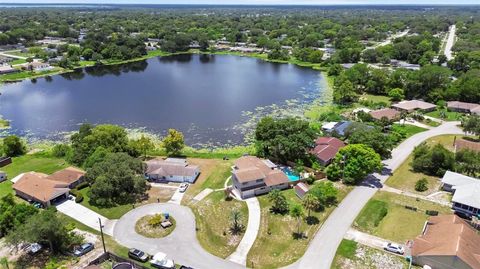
{"x":82,"y":185}
{"x":421,"y":185}
{"x":78,"y":198}
{"x":61,"y":150}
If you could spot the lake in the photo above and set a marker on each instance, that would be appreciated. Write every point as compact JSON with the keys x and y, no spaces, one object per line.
{"x":213,"y":99}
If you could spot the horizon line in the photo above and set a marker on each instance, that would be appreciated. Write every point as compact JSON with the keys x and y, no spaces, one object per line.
{"x":234,"y":4}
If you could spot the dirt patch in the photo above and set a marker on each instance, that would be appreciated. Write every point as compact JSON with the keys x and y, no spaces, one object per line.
{"x":159,"y":194}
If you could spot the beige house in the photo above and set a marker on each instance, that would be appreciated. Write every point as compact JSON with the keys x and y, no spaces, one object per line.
{"x":171,"y":170}
{"x":463,"y":107}
{"x":36,"y":187}
{"x":414,"y":105}
{"x":447,"y":242}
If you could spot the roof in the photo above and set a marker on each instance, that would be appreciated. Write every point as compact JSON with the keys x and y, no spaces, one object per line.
{"x":456,"y":179}
{"x":329,"y":125}
{"x":449,"y":235}
{"x":68,"y":175}
{"x":4,"y":68}
{"x":251,"y":168}
{"x":171,"y":167}
{"x":326,"y":148}
{"x":342,"y":126}
{"x":413,"y":105}
{"x":40,"y":187}
{"x":302,"y":188}
{"x":389,"y":113}
{"x":462,"y":105}
{"x":468,"y":194}
{"x":466,"y":144}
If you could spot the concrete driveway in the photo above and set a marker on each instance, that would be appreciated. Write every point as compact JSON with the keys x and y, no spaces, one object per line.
{"x":323,"y":247}
{"x":181,"y":245}
{"x":86,"y":216}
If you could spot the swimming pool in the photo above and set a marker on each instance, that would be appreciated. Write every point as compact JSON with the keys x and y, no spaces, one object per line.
{"x":292,"y":176}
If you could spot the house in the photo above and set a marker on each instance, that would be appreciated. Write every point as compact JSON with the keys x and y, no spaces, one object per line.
{"x":326,"y":148}
{"x":70,"y":175}
{"x":328,"y":126}
{"x":461,"y":144}
{"x":466,"y":193}
{"x":447,"y":242}
{"x":463,"y":107}
{"x":37,"y":66}
{"x":301,"y":189}
{"x":414,"y":105}
{"x":341,"y":127}
{"x":253,"y":176}
{"x":172,"y":170}
{"x":36,"y":187}
{"x":389,"y":113}
{"x":7,"y":69}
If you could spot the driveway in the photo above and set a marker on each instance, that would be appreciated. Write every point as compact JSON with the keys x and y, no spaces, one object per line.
{"x":181,"y":245}
{"x":86,"y":216}
{"x":322,"y":248}
{"x":240,"y":254}
{"x":366,"y":239}
{"x":177,"y":197}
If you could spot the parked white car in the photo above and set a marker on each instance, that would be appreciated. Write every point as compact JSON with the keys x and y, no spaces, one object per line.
{"x":160,"y":260}
{"x":183,"y":187}
{"x":395,"y":248}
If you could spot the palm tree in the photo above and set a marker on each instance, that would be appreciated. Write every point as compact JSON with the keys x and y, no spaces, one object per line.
{"x":296,"y":211}
{"x":310,"y":202}
{"x":235,"y":218}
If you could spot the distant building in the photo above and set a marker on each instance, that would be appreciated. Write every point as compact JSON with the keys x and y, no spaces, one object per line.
{"x":463,"y":107}
{"x":171,"y":170}
{"x":326,"y":148}
{"x":7,"y":69}
{"x":447,"y":242}
{"x":466,"y":192}
{"x":389,"y":113}
{"x":414,"y":105}
{"x":37,"y":66}
{"x":253,"y":176}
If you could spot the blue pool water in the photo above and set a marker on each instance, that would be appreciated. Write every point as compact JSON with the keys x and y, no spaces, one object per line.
{"x":292,"y":176}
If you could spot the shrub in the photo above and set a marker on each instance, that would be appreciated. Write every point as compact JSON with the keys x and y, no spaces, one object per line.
{"x":82,"y":185}
{"x":61,"y":150}
{"x":155,"y":220}
{"x":79,"y":198}
{"x":421,"y":185}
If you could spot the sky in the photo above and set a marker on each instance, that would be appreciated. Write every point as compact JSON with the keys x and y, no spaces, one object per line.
{"x":257,"y":2}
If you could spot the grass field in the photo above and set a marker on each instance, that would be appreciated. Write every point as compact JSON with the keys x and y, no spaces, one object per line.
{"x":29,"y":75}
{"x":407,"y":129}
{"x":212,"y":216}
{"x":275,"y":245}
{"x":38,"y":162}
{"x":448,"y":115}
{"x":399,"y":224}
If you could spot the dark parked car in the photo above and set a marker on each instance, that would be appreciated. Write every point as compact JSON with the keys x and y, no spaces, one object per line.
{"x":138,"y":255}
{"x":185,"y":267}
{"x":83,"y":249}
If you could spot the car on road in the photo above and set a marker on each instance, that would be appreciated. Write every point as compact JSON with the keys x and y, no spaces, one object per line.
{"x":395,"y":248}
{"x":160,"y":260}
{"x":183,"y":187}
{"x":138,"y":255}
{"x":83,"y":249}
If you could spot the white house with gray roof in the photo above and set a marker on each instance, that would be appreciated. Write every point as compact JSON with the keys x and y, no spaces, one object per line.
{"x":171,"y":170}
{"x":466,"y":192}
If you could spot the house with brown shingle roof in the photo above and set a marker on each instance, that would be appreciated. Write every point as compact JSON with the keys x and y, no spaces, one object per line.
{"x":326,"y":148}
{"x":171,"y":170}
{"x":462,"y":107}
{"x":463,"y":144}
{"x":253,"y":176}
{"x":37,"y":187}
{"x":447,"y":242}
{"x":389,"y":113}
{"x":414,"y":105}
{"x":70,"y":175}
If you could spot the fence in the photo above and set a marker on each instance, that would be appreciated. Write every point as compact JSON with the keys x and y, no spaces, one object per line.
{"x":117,"y":259}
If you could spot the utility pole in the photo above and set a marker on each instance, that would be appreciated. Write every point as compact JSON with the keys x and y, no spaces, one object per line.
{"x":101,"y":233}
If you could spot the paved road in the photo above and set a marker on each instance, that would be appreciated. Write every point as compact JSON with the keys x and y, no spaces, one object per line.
{"x":321,"y":251}
{"x":254,"y":216}
{"x":389,"y":40}
{"x":181,"y":245}
{"x":12,"y":56}
{"x":450,"y":42}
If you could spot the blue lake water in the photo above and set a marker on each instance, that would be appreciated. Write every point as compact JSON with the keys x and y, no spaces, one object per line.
{"x":213,"y":99}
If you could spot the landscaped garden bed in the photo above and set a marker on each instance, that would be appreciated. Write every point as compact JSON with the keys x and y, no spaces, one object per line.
{"x":155,"y":226}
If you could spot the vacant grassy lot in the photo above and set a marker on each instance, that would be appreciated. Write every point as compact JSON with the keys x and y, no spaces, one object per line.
{"x":212,"y":215}
{"x":351,"y":255}
{"x":38,"y":162}
{"x":407,"y":129}
{"x":404,"y":178}
{"x":275,"y":245}
{"x":398,"y":224}
{"x":114,"y":212}
{"x":447,"y":115}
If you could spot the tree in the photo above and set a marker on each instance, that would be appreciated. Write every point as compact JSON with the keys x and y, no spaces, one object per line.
{"x":45,"y":227}
{"x":173,"y":142}
{"x":353,"y":163}
{"x":117,"y":179}
{"x":287,"y":139}
{"x":344,"y":93}
{"x":396,"y":94}
{"x":468,"y":162}
{"x":144,"y":144}
{"x":310,"y":202}
{"x":13,"y":214}
{"x":296,"y":211}
{"x":326,"y":194}
{"x":375,"y":139}
{"x":13,"y":146}
{"x":433,"y":161}
{"x":472,"y":125}
{"x":279,"y":202}
{"x":421,"y":185}
{"x":236,"y":226}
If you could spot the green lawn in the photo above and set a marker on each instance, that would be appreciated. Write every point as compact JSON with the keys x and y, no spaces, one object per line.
{"x":399,"y":224}
{"x":28,"y":74}
{"x":448,"y":115}
{"x":212,"y":216}
{"x":18,"y":61}
{"x":114,"y":212}
{"x":407,"y":129}
{"x":38,"y":162}
{"x":376,"y":98}
{"x":275,"y":245}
